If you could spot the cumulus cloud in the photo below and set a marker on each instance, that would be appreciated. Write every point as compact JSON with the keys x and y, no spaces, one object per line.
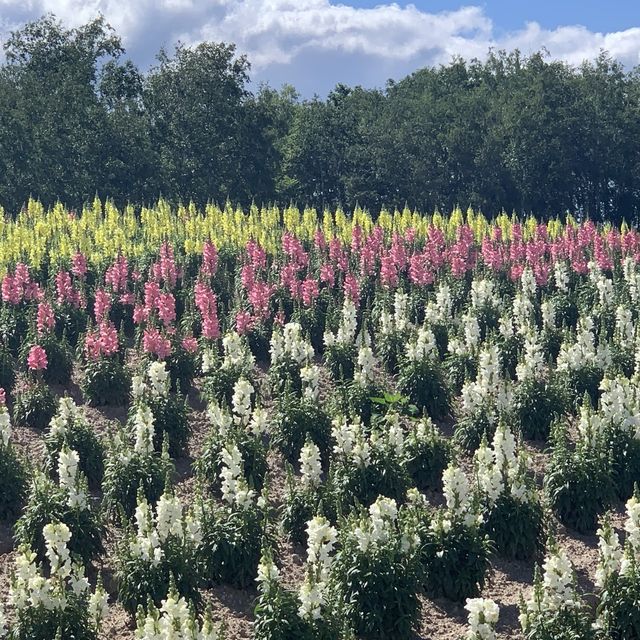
{"x":315,"y":43}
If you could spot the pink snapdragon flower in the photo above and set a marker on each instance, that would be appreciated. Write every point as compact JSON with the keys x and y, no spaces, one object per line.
{"x":154,"y":343}
{"x":45,"y":320}
{"x":190,"y":344}
{"x":37,"y":358}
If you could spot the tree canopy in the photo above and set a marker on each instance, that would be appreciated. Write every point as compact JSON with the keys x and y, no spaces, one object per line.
{"x":78,"y":119}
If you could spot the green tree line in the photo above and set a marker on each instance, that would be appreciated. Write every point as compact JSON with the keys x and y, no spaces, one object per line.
{"x":78,"y":119}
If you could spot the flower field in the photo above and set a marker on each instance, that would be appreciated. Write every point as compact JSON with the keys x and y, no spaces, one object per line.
{"x":285,"y":424}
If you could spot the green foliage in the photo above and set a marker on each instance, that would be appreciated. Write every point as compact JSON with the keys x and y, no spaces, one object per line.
{"x":7,"y":370}
{"x":128,"y":471}
{"x":252,"y":450}
{"x":47,"y":503}
{"x":294,"y":420}
{"x":454,"y":557}
{"x":232,"y":539}
{"x":34,"y":406}
{"x":376,"y":588}
{"x":427,"y":455}
{"x":106,"y":381}
{"x":536,"y":403}
{"x":425,"y":384}
{"x":384,"y":474}
{"x":618,"y":606}
{"x":276,"y":616}
{"x":578,"y":481}
{"x":515,"y":527}
{"x":182,"y":368}
{"x":71,"y":621}
{"x":13,"y":482}
{"x":79,"y":436}
{"x":340,"y":358}
{"x":219,"y":381}
{"x":357,"y":400}
{"x":170,"y":422}
{"x":59,"y":359}
{"x":141,"y":581}
{"x":459,"y":368}
{"x":471,"y":428}
{"x":390,"y":348}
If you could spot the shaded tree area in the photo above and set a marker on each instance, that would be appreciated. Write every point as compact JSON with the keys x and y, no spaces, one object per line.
{"x":77,"y":119}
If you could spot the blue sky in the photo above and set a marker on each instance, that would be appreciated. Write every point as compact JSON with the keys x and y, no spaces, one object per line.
{"x":512,"y":14}
{"x":314,"y":44}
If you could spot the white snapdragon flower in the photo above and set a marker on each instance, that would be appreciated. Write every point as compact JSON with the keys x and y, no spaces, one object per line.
{"x":366,"y":363}
{"x":321,"y":541}
{"x":69,"y":478}
{"x":144,"y":428}
{"x":610,"y":555}
{"x":400,"y":310}
{"x":455,"y":487}
{"x":242,"y":392}
{"x":483,"y":617}
{"x":295,"y":345}
{"x":138,"y":387}
{"x":620,"y":404}
{"x":423,"y":347}
{"x":234,"y":486}
{"x":632,"y":524}
{"x":98,"y":604}
{"x":208,"y":361}
{"x":158,"y":376}
{"x":532,"y":365}
{"x":344,"y":435}
{"x":558,"y":590}
{"x":625,"y":330}
{"x":310,"y":465}
{"x":236,"y":353}
{"x":268,"y":573}
{"x":561,"y":276}
{"x":528,"y":283}
{"x":482,"y":294}
{"x":259,"y":423}
{"x":348,"y":327}
{"x":311,"y":597}
{"x":523,"y":313}
{"x":310,"y":376}
{"x":219,"y":418}
{"x":56,"y":536}
{"x":176,"y":620}
{"x":5,"y":426}
{"x":548,"y":311}
{"x":169,"y":518}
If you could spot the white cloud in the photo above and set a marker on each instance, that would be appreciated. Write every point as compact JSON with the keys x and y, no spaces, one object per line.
{"x":339,"y":40}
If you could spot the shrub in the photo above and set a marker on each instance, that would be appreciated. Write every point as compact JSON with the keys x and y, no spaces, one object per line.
{"x":66,"y":503}
{"x":106,"y":381}
{"x":130,"y":470}
{"x":232,"y":536}
{"x":13,"y":474}
{"x":70,"y":428}
{"x":367,"y":466}
{"x":374,"y":578}
{"x":157,"y":554}
{"x":78,"y":612}
{"x":421,"y":378}
{"x":578,"y":481}
{"x":427,"y":454}
{"x":555,"y":611}
{"x":34,"y":406}
{"x":294,"y":420}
